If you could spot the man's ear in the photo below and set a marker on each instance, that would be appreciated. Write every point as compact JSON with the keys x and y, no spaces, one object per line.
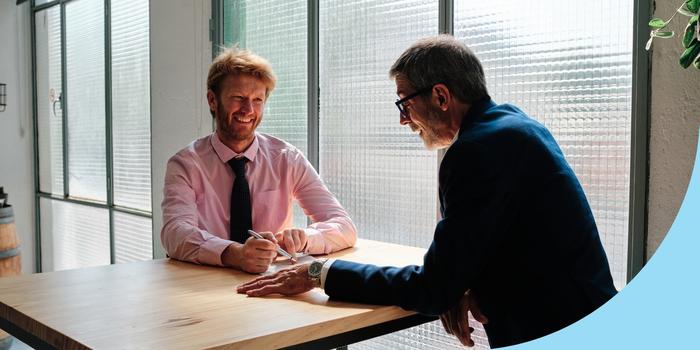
{"x":211,"y":99}
{"x":442,"y":96}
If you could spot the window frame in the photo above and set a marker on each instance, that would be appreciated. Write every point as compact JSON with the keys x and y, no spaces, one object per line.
{"x":109,"y":161}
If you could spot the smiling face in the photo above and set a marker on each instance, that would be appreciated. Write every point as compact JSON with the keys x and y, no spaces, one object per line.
{"x":423,"y":118}
{"x":238,"y":109}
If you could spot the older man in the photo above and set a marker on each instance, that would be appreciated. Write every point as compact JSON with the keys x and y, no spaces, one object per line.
{"x":517,"y":237}
{"x":236,"y":179}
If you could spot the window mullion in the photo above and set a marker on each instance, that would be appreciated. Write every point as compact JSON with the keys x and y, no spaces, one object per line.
{"x":313,"y":121}
{"x":639,"y":143}
{"x":35,"y":117}
{"x":108,"y":125}
{"x":63,"y":102}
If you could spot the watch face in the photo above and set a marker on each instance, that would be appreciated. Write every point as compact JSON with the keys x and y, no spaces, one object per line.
{"x":315,"y":268}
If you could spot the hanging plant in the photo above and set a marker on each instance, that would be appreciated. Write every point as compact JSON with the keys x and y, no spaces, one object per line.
{"x":691,"y":36}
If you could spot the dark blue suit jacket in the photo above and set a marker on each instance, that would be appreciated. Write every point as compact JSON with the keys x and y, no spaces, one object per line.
{"x":517,"y":230}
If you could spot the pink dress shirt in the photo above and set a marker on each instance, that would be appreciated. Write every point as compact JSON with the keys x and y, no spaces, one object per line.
{"x":197,"y":196}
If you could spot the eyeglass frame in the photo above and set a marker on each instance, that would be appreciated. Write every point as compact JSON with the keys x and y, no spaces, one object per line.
{"x":403,"y":113}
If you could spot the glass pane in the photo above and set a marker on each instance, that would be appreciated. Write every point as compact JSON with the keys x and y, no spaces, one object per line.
{"x":575,"y":76}
{"x":132,"y":238}
{"x":378,"y":169}
{"x":48,"y":91}
{"x":85,"y":78}
{"x":131,"y":104}
{"x":73,"y":235}
{"x":277,"y":30}
{"x":367,"y":158}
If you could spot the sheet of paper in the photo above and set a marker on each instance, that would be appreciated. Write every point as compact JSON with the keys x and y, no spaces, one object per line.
{"x":282,"y":263}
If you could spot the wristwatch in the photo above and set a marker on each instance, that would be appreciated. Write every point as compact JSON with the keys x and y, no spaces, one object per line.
{"x":315,"y":271}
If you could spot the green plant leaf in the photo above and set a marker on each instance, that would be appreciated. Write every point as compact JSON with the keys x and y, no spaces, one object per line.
{"x":692,"y":5}
{"x":664,"y":34}
{"x":690,"y":54}
{"x":657,"y":23}
{"x":689,"y":34}
{"x":683,"y":10}
{"x":696,"y":63}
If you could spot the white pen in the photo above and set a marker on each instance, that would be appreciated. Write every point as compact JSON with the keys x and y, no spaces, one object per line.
{"x":279,"y":249}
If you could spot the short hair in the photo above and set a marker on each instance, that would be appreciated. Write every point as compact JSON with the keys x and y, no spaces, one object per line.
{"x":234,"y":61}
{"x":443,"y":59}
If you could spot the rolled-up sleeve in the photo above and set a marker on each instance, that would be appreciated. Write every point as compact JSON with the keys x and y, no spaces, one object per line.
{"x":180,"y":235}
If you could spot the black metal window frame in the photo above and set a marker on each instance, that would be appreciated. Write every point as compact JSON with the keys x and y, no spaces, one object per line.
{"x":66,"y":197}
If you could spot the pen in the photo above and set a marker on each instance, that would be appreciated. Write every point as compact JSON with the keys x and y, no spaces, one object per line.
{"x":279,"y":249}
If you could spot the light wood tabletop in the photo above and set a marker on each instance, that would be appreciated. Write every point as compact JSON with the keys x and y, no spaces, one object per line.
{"x":167,"y":304}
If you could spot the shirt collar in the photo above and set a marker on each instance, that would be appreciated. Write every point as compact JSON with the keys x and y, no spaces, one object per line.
{"x":226,"y":154}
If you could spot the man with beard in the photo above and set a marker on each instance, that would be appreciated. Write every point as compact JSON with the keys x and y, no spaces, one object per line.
{"x":236,"y":179}
{"x":517,"y":244}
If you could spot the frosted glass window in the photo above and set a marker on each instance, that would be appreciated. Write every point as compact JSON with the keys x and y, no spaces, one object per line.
{"x":132,"y":238}
{"x":131,"y":105}
{"x":277,"y":30}
{"x":73,"y":235}
{"x":379,"y":170}
{"x":49,"y":93}
{"x":85,"y":78}
{"x":574,"y":75}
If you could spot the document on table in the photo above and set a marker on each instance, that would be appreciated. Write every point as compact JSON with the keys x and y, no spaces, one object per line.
{"x":282,"y":263}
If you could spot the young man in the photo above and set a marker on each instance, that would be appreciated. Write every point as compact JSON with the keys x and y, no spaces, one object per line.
{"x":236,"y":179}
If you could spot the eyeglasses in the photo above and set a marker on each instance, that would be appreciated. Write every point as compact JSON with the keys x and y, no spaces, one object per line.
{"x":400,"y":103}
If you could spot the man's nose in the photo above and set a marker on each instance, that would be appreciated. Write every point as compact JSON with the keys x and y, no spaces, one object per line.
{"x":247,"y":106}
{"x":404,"y":119}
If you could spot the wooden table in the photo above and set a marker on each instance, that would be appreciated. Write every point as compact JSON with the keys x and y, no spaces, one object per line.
{"x":167,"y":304}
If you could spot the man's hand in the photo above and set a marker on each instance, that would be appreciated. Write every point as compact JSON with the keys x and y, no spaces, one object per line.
{"x":456,"y":321}
{"x":291,"y":281}
{"x":254,"y":256}
{"x":292,"y":240}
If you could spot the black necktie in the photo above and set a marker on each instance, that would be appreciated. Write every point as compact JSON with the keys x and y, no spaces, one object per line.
{"x":240,"y":220}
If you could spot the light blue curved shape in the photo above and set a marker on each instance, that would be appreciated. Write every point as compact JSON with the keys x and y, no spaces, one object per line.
{"x":660,"y":307}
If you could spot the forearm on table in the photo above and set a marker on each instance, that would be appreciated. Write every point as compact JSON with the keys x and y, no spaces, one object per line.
{"x":332,"y":235}
{"x":183,"y":241}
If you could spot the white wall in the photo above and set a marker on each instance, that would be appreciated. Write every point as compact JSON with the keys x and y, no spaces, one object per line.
{"x":16,"y":140}
{"x":180,"y":57}
{"x":675,"y":119}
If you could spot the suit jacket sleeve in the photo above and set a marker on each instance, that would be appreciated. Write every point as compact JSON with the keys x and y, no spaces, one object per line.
{"x":475,"y":187}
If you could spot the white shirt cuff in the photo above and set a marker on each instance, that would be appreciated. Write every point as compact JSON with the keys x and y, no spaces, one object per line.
{"x":324,"y":271}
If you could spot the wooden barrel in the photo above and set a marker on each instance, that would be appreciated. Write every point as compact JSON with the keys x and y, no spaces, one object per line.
{"x":10,"y":259}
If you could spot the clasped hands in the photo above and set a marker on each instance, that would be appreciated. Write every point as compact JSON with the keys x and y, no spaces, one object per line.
{"x":255,"y":255}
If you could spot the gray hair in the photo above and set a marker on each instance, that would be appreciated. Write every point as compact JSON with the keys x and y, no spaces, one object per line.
{"x":443,"y":59}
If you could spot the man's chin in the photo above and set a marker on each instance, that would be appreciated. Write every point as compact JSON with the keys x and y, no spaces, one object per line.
{"x":433,"y":145}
